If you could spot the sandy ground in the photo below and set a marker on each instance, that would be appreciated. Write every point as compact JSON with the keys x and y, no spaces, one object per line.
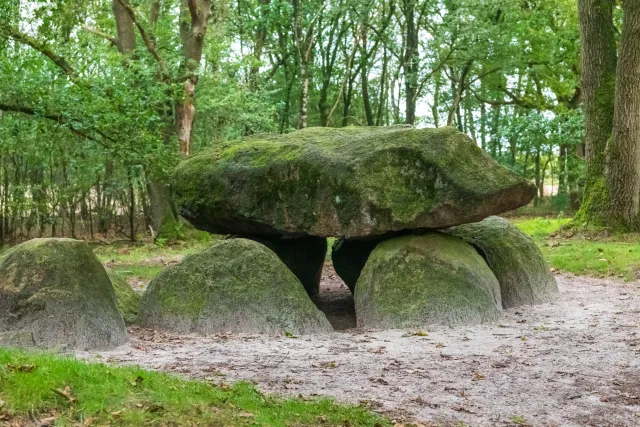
{"x":574,"y":362}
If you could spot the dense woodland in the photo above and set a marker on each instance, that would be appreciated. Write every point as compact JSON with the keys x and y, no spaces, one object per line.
{"x":99,"y":99}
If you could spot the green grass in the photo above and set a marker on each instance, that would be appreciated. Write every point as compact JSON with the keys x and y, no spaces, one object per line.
{"x":539,"y":228}
{"x":584,"y":252}
{"x":143,"y":262}
{"x":41,"y":385}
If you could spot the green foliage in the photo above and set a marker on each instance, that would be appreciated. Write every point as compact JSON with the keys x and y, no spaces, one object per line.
{"x":78,"y":150}
{"x":132,"y":396}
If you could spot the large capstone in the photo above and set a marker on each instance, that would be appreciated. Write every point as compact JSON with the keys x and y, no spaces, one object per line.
{"x":55,"y":294}
{"x":514,"y":258}
{"x":421,"y":280}
{"x":236,"y":285}
{"x":304,"y":257}
{"x":349,"y":182}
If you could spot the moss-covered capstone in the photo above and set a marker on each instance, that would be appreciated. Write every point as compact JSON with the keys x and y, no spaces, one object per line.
{"x":54,"y":293}
{"x":236,"y":285}
{"x":304,"y":257}
{"x":514,"y":258}
{"x":350,"y":182}
{"x":419,"y":280}
{"x":349,"y":258}
{"x":128,"y":299}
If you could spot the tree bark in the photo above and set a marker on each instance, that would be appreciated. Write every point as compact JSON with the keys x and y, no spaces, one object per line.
{"x":597,"y":34}
{"x":194,"y":16}
{"x":124,"y":28}
{"x":410,"y":62}
{"x":622,"y":167}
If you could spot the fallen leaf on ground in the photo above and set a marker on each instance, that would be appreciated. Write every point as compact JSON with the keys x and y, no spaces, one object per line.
{"x":66,"y":393}
{"x":47,"y":421}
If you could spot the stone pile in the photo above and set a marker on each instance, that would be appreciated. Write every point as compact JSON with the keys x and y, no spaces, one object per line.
{"x":415,"y":241}
{"x":396,"y":199}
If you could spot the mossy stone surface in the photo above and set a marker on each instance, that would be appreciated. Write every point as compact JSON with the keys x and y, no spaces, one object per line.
{"x":421,"y":280}
{"x":348,"y":182}
{"x":236,"y":285}
{"x":304,"y":257}
{"x":128,"y":299}
{"x":514,"y":258}
{"x":55,"y":294}
{"x":349,"y":258}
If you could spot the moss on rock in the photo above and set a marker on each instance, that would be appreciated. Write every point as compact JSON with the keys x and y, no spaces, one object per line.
{"x":54,"y":293}
{"x":304,"y":257}
{"x":128,"y":299}
{"x":514,"y":258}
{"x":419,"y":280}
{"x":350,"y":182}
{"x":236,"y":285}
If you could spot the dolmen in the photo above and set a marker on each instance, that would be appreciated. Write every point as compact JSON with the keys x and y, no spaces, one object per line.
{"x":412,"y":212}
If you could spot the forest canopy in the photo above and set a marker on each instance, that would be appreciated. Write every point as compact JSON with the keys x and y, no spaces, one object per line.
{"x":101,"y":98}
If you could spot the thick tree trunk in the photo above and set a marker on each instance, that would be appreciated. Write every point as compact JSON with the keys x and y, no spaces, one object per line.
{"x":597,"y":34}
{"x":124,"y":27}
{"x":194,"y":16}
{"x":622,"y":167}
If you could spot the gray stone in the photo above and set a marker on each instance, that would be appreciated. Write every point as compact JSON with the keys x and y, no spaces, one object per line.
{"x":420,"y":280}
{"x":514,"y":258}
{"x":55,"y":294}
{"x":236,"y":285}
{"x":348,"y":182}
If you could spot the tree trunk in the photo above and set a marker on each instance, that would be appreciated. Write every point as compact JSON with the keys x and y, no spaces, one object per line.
{"x":304,"y":95}
{"x":260,"y":38}
{"x":598,"y":90}
{"x":622,"y":167}
{"x":194,"y":16}
{"x":124,"y":28}
{"x":410,"y":62}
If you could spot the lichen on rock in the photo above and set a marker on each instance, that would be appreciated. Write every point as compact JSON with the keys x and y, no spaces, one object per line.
{"x":514,"y":258}
{"x":420,"y":280}
{"x":236,"y":285}
{"x":55,"y":294}
{"x":350,"y":182}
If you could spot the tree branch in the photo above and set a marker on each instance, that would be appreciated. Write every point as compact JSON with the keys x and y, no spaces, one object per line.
{"x":193,"y":10}
{"x":41,"y":47}
{"x":56,"y":117}
{"x":99,"y":33}
{"x":145,"y":37}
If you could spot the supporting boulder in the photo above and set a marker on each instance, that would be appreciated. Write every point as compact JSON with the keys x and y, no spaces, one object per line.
{"x":128,"y":299}
{"x":514,"y":258}
{"x":55,"y":294}
{"x":236,"y":285}
{"x":350,"y":182}
{"x":419,"y":280}
{"x":349,"y":258}
{"x":304,"y":257}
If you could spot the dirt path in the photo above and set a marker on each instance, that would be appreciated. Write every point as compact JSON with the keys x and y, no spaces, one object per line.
{"x":574,"y":362}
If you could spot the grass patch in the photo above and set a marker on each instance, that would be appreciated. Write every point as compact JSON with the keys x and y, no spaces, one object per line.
{"x":539,"y":228}
{"x":584,"y":252}
{"x":42,"y":385}
{"x":143,"y":262}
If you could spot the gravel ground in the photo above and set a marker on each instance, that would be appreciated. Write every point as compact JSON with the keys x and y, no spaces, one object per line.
{"x":574,"y":362}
